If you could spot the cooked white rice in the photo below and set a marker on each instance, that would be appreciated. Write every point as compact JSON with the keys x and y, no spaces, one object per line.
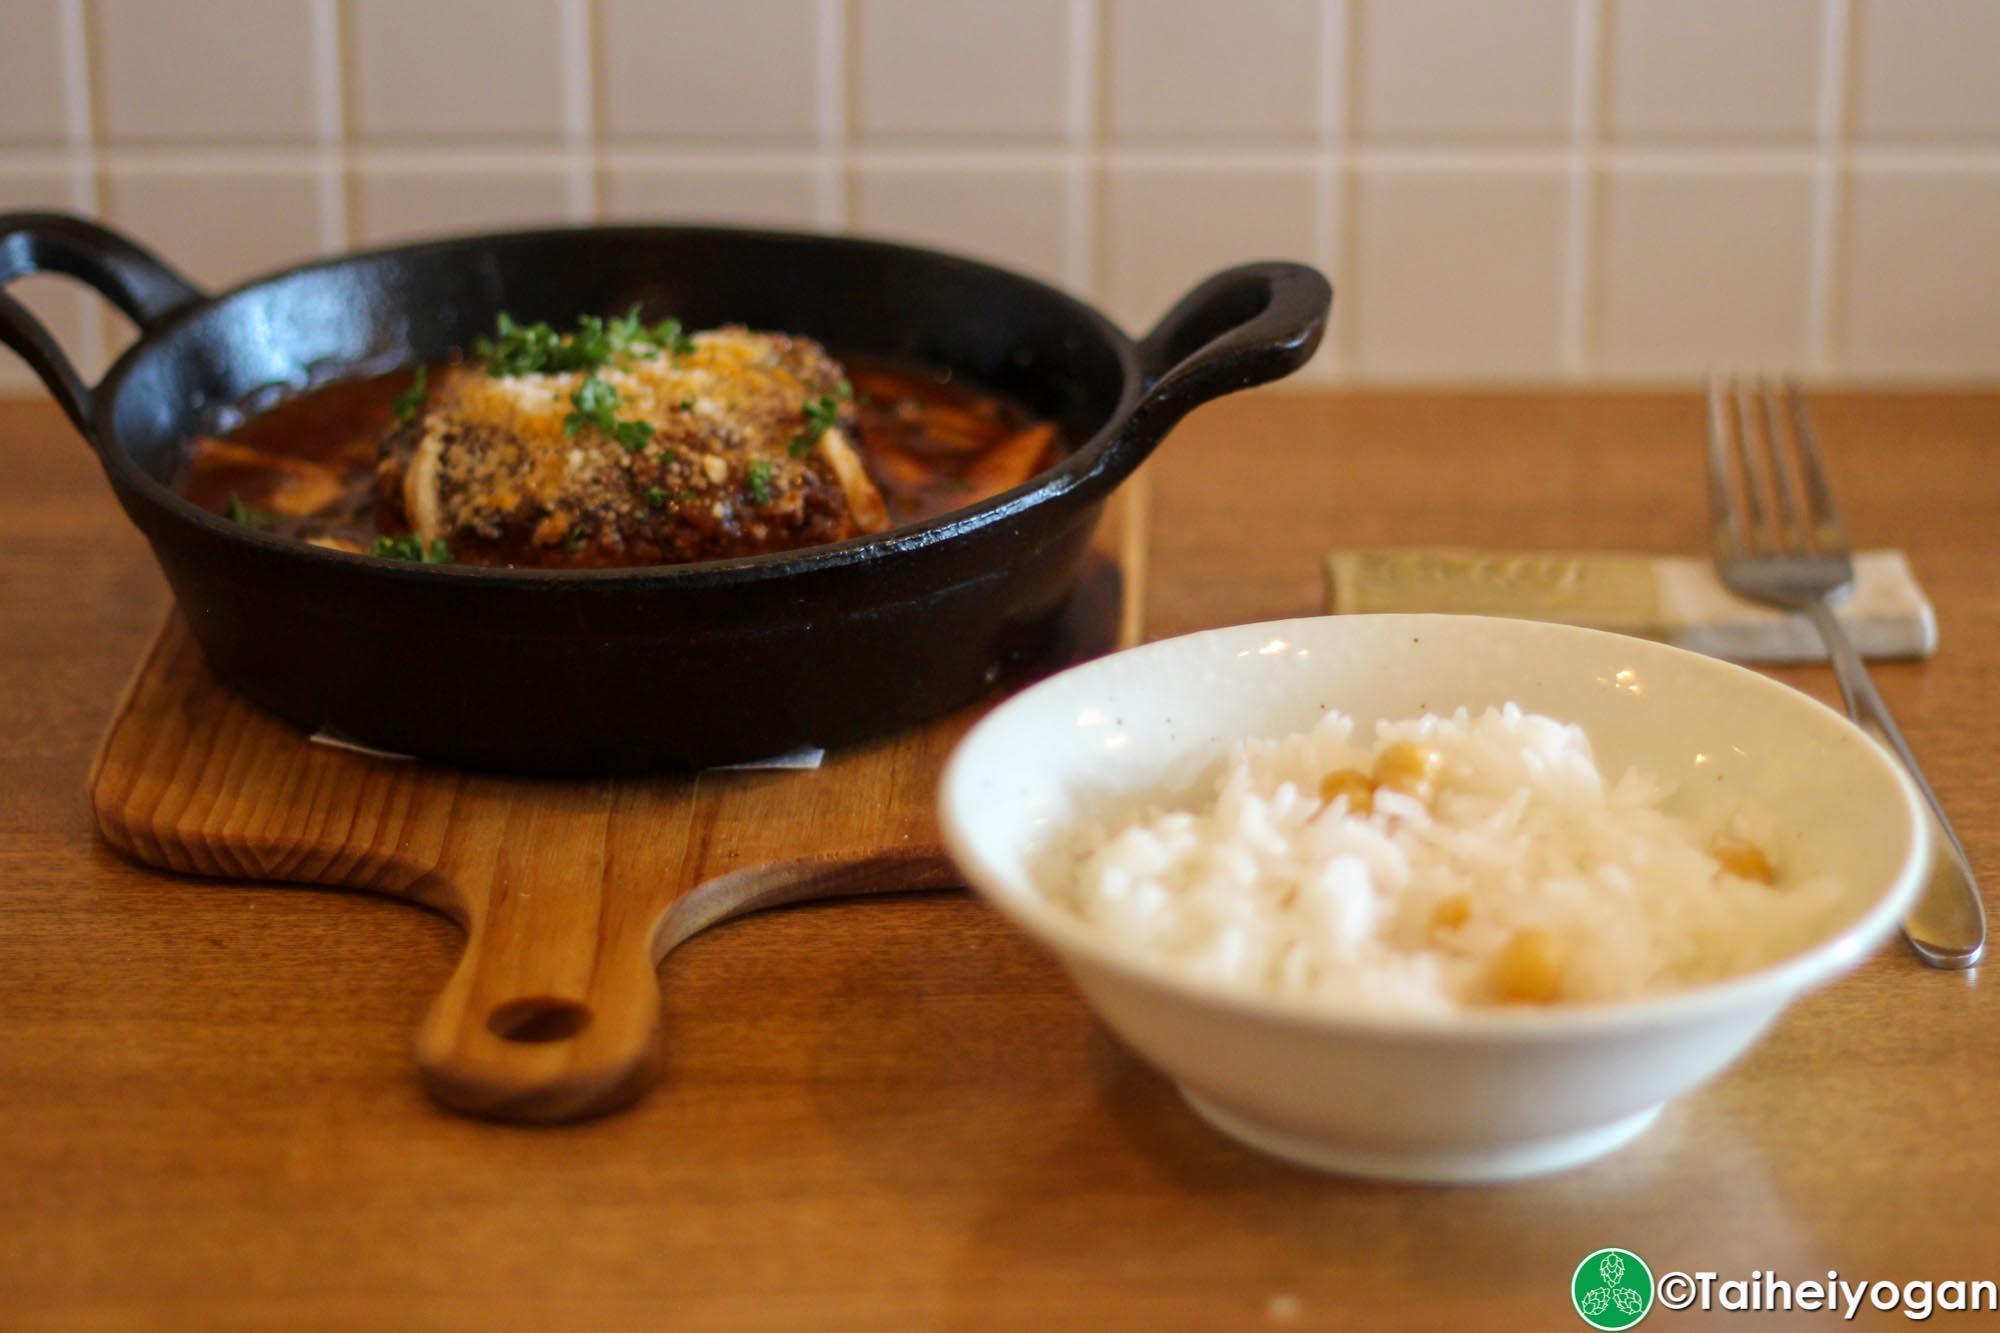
{"x":1269,"y":889}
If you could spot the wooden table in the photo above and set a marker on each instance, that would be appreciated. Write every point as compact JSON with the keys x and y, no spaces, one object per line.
{"x":897,"y":1114}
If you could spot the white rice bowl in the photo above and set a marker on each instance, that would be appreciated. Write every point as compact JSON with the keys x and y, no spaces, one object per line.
{"x":1365,"y":1050}
{"x":1259,"y":885}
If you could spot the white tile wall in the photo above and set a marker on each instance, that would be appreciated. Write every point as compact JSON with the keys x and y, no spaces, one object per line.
{"x":1463,"y":70}
{"x":1702,"y":265}
{"x":158,"y":80}
{"x":1713,"y":69}
{"x":970,"y":69}
{"x":1921,"y":240}
{"x":1165,"y":226}
{"x":1011,"y":213}
{"x":1513,"y":190}
{"x":745,"y":71}
{"x":398,"y":199}
{"x":1193,"y":69}
{"x":1464,"y":272}
{"x":463,"y":70}
{"x":34,"y":74}
{"x":772,"y":193}
{"x":1927,"y":69}
{"x":217,"y":222}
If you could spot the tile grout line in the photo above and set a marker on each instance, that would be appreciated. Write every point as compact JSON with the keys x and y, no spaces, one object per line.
{"x":1580,"y":255}
{"x":576,"y":29}
{"x":344,"y":52}
{"x":85,"y":167}
{"x":1970,"y":158}
{"x":833,"y":62}
{"x":1348,"y":348}
{"x":1823,"y":276}
{"x":1100,"y":239}
{"x":1332,"y":242}
{"x":330,"y":111}
{"x":1083,"y":94}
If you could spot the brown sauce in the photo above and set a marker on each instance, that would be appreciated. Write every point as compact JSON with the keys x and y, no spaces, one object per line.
{"x":305,"y":468}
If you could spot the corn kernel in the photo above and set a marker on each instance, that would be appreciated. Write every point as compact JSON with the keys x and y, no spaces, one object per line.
{"x":1529,"y":969}
{"x":1451,"y":912}
{"x":1743,"y":859}
{"x":1409,"y":768}
{"x":1352,"y":784}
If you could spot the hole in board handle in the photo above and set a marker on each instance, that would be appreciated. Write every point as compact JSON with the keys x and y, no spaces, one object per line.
{"x":538,"y":1018}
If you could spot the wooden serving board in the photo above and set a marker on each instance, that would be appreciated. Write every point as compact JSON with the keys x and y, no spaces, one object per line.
{"x":570,"y":892}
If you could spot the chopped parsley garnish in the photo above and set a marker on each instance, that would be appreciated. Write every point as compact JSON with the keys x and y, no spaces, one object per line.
{"x":634,"y":434}
{"x":409,"y":546}
{"x":596,"y":342}
{"x":760,"y":479}
{"x":590,"y":346}
{"x":519,"y":349}
{"x":667,"y":335}
{"x":623,"y":330}
{"x":574,"y":541}
{"x":596,"y":404}
{"x":684,"y":405}
{"x":242,"y":513}
{"x":411,"y":400}
{"x":821,"y":415}
{"x":655,"y":496}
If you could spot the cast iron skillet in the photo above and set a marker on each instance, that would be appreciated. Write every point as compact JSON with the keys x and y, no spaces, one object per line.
{"x":633,"y":669}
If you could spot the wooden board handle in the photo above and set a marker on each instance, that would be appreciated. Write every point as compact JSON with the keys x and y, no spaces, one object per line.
{"x":554,"y":1009}
{"x":552,"y":1014}
{"x":549,"y":1019}
{"x":569,"y":1032}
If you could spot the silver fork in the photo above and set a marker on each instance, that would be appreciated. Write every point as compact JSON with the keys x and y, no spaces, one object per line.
{"x":1790,"y":551}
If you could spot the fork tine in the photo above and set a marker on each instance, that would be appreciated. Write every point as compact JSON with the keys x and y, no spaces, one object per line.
{"x":1725,"y":521}
{"x":1753,"y":485}
{"x":1791,"y":532}
{"x":1828,"y":534}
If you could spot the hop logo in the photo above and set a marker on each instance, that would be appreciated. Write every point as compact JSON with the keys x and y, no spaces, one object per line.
{"x":1612,"y":1289}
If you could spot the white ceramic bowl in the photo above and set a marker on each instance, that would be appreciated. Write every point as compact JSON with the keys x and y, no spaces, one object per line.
{"x":1485,"y":1095}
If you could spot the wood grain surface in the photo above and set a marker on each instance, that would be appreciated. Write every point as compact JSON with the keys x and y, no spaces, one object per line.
{"x":570,"y":893}
{"x":898,"y":1114}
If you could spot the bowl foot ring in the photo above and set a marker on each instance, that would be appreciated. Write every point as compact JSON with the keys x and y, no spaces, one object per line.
{"x":1442,"y":1166}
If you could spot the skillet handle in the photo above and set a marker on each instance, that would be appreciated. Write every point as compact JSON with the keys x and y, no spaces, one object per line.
{"x":130,"y":277}
{"x":1245,"y":326}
